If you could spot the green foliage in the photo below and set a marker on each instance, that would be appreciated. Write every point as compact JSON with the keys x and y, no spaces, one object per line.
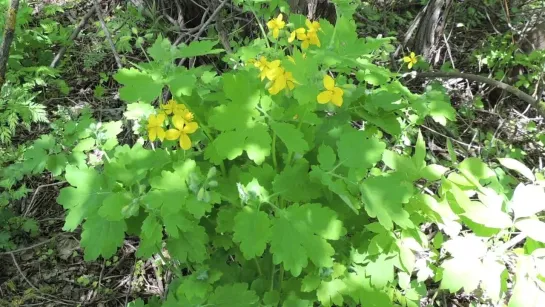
{"x":257,"y":191}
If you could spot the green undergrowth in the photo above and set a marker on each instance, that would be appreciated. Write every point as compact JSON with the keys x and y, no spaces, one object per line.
{"x":297,"y":177}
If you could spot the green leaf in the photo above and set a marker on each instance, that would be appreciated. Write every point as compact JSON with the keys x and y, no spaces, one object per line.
{"x":113,"y":204}
{"x":381,"y":270}
{"x":300,"y":233}
{"x":137,"y":85}
{"x":528,"y":200}
{"x":439,"y":105}
{"x":310,"y":283}
{"x":252,"y":230}
{"x":356,"y":150}
{"x":197,"y":48}
{"x":491,"y":281}
{"x":83,"y":197}
{"x":326,"y":157}
{"x":101,"y":237}
{"x":233,"y":295}
{"x":182,"y":82}
{"x":433,"y":172}
{"x":331,"y":292}
{"x":451,"y":151}
{"x":162,"y":50}
{"x":385,"y":203}
{"x":151,"y":237}
{"x":534,"y":229}
{"x":56,"y":164}
{"x":419,"y":152}
{"x":461,"y":273}
{"x":258,"y":143}
{"x":190,"y":246}
{"x":294,"y":185}
{"x":517,"y":166}
{"x":292,"y":137}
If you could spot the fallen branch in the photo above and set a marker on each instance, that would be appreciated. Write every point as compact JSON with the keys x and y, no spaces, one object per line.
{"x":9,"y":34}
{"x":72,"y":37}
{"x":537,"y":104}
{"x":107,"y":34}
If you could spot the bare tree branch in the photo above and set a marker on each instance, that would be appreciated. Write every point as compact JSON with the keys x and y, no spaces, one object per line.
{"x":537,"y":104}
{"x":107,"y":34}
{"x":73,"y":36}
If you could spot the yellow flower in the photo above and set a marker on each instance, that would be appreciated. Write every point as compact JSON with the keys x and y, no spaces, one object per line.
{"x":155,"y":129}
{"x":276,"y":24}
{"x":310,"y":38}
{"x":172,"y":107}
{"x":261,"y":63}
{"x":183,"y":128}
{"x":169,"y":107}
{"x":332,"y":93}
{"x":271,"y":70}
{"x":283,"y":79}
{"x":299,"y":33}
{"x":313,"y":26}
{"x":411,"y":59}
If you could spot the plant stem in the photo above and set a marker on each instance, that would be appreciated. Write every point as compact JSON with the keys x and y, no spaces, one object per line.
{"x":272,"y":276}
{"x":258,"y":267}
{"x":275,"y":163}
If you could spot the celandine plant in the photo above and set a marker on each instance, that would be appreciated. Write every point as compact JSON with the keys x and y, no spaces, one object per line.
{"x":261,"y":187}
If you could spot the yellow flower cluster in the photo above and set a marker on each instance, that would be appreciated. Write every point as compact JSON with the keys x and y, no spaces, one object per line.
{"x":279,"y":77}
{"x":182,"y":120}
{"x":307,"y":36}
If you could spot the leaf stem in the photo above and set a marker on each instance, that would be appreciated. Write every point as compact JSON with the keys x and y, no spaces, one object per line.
{"x":272,"y":274}
{"x":275,"y":163}
{"x":258,"y":267}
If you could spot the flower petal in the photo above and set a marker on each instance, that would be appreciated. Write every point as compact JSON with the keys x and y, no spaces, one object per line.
{"x":308,"y":23}
{"x":292,"y":37}
{"x":324,"y":97}
{"x":190,"y":127}
{"x":337,"y":91}
{"x":276,"y":32}
{"x":178,"y":121}
{"x":160,"y":119}
{"x":185,"y":141}
{"x":161,"y":133}
{"x":413,"y":55}
{"x":279,"y":17}
{"x":406,"y":59}
{"x":305,"y":44}
{"x":329,"y":82}
{"x":410,"y":65}
{"x":172,"y":134}
{"x":152,"y":134}
{"x":337,"y":100}
{"x":271,"y":24}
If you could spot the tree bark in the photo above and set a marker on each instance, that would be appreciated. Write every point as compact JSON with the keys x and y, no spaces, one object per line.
{"x":9,"y":33}
{"x":314,"y":9}
{"x":430,"y":27}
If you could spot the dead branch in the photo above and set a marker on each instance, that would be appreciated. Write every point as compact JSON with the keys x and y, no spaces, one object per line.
{"x":72,"y":37}
{"x":537,"y":104}
{"x":107,"y":34}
